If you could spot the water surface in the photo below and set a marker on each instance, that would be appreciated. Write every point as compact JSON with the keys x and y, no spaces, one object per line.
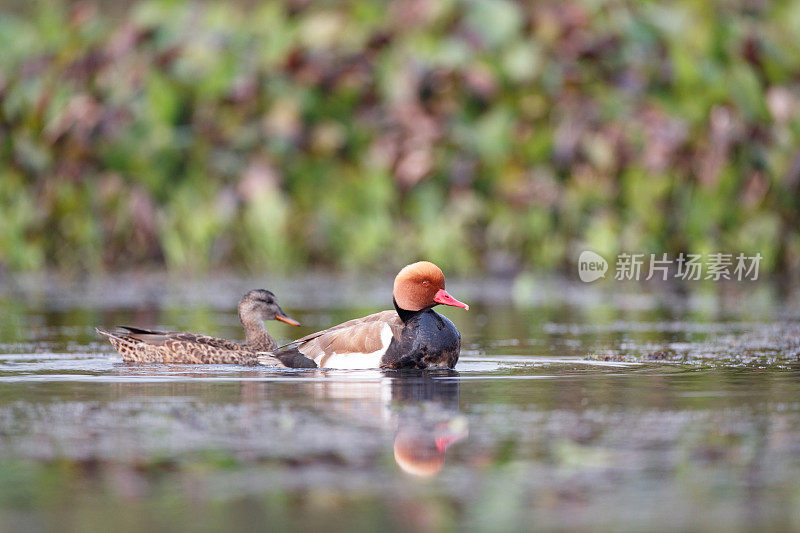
{"x":573,"y":407}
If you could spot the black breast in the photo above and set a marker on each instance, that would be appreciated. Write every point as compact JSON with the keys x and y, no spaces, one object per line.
{"x":428,"y":340}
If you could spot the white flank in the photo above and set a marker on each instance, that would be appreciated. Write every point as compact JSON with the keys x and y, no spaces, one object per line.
{"x":355,"y":361}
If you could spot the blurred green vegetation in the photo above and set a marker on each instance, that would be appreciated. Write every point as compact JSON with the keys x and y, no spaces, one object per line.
{"x":477,"y":134}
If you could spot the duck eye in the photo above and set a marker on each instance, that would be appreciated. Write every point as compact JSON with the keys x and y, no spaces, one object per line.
{"x":426,"y":283}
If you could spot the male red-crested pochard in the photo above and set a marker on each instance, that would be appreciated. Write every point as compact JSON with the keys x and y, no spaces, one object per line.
{"x":413,"y":335}
{"x":148,"y":346}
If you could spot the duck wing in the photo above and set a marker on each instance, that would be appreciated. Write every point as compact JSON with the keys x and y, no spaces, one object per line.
{"x":137,"y":345}
{"x":173,"y":338}
{"x":382,"y":316}
{"x":358,"y":343}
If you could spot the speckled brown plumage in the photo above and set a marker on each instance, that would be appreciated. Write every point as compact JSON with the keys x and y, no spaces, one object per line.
{"x":137,"y":345}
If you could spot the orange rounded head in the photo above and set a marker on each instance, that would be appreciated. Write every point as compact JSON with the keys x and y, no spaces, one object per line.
{"x":421,"y":285}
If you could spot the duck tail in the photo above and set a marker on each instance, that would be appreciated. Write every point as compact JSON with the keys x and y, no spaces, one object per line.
{"x":120,"y":343}
{"x":289,"y":358}
{"x":106,"y":333}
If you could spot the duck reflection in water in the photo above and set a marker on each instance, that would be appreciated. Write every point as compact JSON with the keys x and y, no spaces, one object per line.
{"x":422,"y":407}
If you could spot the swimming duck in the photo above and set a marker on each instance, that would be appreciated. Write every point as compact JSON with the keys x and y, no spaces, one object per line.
{"x":413,"y":335}
{"x":137,"y":345}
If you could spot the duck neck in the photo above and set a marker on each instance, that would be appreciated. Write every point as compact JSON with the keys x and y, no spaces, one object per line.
{"x":405,"y":314}
{"x":256,"y":335}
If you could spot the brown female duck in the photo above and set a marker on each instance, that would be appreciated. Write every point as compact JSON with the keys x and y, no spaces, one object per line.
{"x":137,"y":345}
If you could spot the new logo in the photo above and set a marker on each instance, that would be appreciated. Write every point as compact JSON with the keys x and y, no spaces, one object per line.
{"x":591,"y":266}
